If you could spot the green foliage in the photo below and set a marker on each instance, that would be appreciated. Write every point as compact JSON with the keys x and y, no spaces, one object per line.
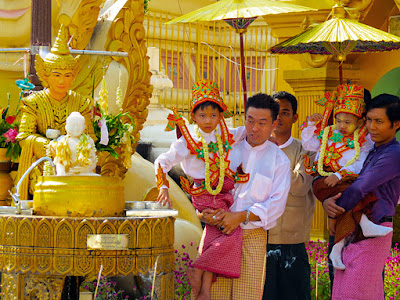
{"x":119,"y":133}
{"x":318,"y":254}
{"x":182,"y":263}
{"x":8,"y":132}
{"x":146,"y":5}
{"x":320,"y":282}
{"x":392,"y":274}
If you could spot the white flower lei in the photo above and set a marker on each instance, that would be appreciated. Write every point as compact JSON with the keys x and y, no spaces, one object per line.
{"x":207,"y":163}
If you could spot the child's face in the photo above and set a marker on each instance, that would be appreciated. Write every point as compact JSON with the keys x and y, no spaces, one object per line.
{"x":347,"y":123}
{"x":207,"y":118}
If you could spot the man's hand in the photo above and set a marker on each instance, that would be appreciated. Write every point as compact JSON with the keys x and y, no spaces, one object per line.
{"x":331,"y":208}
{"x":163,"y":197}
{"x":315,"y":117}
{"x":331,"y":180}
{"x":229,"y":221}
{"x":207,"y":216}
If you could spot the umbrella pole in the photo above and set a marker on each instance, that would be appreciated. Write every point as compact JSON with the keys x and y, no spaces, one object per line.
{"x":340,"y":73}
{"x":243,"y":68}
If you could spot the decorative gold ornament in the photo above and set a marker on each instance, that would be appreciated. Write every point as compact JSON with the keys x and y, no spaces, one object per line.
{"x":55,"y":247}
{"x":79,"y":196}
{"x":207,"y":163}
{"x":127,"y":34}
{"x":58,"y":58}
{"x":103,"y":96}
{"x":83,"y":22}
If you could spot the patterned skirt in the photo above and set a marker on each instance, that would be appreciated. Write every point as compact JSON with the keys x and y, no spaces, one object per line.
{"x":221,"y":253}
{"x":364,"y":263}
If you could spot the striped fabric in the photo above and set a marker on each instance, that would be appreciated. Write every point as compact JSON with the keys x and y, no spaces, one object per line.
{"x":250,"y":285}
{"x":364,"y":263}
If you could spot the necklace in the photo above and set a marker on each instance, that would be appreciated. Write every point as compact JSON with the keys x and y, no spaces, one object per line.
{"x":207,"y":163}
{"x":324,"y":143}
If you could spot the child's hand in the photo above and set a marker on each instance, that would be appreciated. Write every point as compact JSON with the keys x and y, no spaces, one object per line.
{"x":163,"y":197}
{"x":331,"y":180}
{"x":315,"y":117}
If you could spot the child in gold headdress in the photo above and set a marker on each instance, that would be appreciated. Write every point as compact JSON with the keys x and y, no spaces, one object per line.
{"x":205,"y":157}
{"x":342,"y":150}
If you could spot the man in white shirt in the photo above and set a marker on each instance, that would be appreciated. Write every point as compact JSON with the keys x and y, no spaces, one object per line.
{"x":258,"y":203}
{"x":288,"y":268}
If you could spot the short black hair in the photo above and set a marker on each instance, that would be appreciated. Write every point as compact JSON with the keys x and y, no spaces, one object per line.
{"x":206,"y":104}
{"x":367,"y":101}
{"x":289,"y":97}
{"x":264,"y":101}
{"x":390,"y":102}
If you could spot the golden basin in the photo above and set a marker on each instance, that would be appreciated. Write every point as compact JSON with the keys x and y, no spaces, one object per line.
{"x":79,"y":196}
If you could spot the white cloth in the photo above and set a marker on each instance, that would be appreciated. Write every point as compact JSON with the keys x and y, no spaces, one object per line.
{"x":191,"y":165}
{"x":310,"y":142}
{"x":287,"y":143}
{"x":266,"y":192}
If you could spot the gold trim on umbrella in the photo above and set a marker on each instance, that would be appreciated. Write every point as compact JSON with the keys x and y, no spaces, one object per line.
{"x":239,"y":9}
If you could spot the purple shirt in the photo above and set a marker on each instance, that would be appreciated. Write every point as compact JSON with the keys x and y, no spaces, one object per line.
{"x":380,"y":175}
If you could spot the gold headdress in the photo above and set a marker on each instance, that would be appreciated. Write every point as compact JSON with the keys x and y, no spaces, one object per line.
{"x":346,"y":98}
{"x":350,"y":100}
{"x":206,"y":90}
{"x":58,"y":58}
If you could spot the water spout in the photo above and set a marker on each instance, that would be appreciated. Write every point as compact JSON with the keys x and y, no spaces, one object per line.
{"x":15,"y":196}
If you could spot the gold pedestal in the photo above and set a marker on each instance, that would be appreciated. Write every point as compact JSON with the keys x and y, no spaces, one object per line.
{"x":79,"y":196}
{"x":36,"y":252}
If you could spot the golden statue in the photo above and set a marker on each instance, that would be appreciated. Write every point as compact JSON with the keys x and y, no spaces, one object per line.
{"x":48,"y":110}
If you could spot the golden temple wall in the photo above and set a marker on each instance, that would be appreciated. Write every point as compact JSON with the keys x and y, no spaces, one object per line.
{"x":189,"y":52}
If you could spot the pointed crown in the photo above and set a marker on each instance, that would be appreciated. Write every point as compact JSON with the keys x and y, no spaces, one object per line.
{"x":350,"y":99}
{"x":60,"y":57}
{"x":206,"y":90}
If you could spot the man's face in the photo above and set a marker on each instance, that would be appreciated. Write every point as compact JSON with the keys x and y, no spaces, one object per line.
{"x":286,"y":118}
{"x":60,"y":81}
{"x":259,"y":125}
{"x":379,"y":126}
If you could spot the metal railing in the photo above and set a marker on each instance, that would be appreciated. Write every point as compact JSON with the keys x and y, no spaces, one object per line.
{"x":189,"y":52}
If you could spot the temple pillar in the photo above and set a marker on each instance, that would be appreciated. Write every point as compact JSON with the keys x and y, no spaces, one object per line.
{"x":40,"y":34}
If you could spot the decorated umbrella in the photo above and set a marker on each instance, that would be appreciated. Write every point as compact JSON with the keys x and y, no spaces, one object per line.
{"x":339,"y":36}
{"x":239,"y":14}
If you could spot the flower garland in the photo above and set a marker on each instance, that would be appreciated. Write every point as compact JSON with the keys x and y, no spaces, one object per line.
{"x":84,"y":149}
{"x":207,"y":163}
{"x":323,"y":149}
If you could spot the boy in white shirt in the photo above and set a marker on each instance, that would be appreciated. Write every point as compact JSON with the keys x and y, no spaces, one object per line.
{"x":200,"y":156}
